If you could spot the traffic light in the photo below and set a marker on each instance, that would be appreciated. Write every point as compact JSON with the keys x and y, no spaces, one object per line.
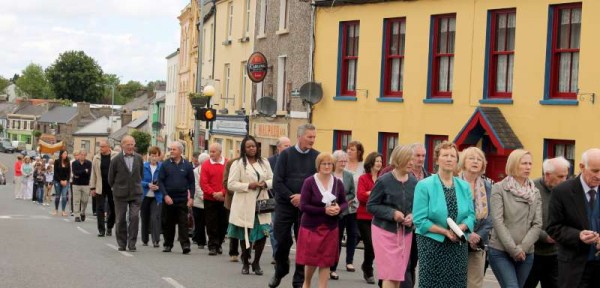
{"x":206,"y":114}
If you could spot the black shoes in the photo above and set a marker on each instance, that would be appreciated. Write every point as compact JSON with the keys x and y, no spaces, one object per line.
{"x":186,"y":250}
{"x":274,"y":282}
{"x":167,"y":249}
{"x":246,"y":269}
{"x":77,"y":219}
{"x":121,"y":249}
{"x":101,"y":234}
{"x":334,"y":276}
{"x":144,"y":243}
{"x":132,"y":249}
{"x":256,"y":269}
{"x":220,"y":250}
{"x":212,"y":252}
{"x":156,"y":245}
{"x":108,"y":232}
{"x":82,"y":217}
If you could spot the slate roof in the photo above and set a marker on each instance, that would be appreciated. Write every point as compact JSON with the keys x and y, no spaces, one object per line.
{"x":500,"y":128}
{"x":59,"y":114}
{"x":139,"y":103}
{"x":139,"y":124}
{"x":33,"y":110}
{"x":7,"y":108}
{"x":96,"y":128}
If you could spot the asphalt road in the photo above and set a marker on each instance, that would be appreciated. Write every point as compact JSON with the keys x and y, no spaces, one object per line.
{"x":41,"y":250}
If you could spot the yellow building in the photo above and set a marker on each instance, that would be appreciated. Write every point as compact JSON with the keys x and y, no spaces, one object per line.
{"x":188,"y":61}
{"x":227,"y":46}
{"x":500,"y":74}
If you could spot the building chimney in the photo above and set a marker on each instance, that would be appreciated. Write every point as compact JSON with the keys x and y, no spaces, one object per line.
{"x":83,"y":109}
{"x":125,"y":118}
{"x":105,"y":111}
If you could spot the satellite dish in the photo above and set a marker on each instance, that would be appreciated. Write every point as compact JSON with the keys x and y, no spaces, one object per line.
{"x":266,"y":106}
{"x":311,"y":93}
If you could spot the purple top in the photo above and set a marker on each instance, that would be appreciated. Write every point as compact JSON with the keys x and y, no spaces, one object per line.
{"x":313,"y":210}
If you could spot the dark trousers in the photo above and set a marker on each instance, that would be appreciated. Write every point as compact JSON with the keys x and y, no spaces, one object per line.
{"x":364,"y":227}
{"x":216,"y":223}
{"x":412,"y":265}
{"x":34,"y":192}
{"x":127,"y":227}
{"x":348,"y":222}
{"x":544,"y":270}
{"x":591,"y":275}
{"x":175,"y":214}
{"x":94,"y":205}
{"x":103,"y":200}
{"x":150,"y":214}
{"x":199,"y":226}
{"x":234,"y":246}
{"x":288,"y":218}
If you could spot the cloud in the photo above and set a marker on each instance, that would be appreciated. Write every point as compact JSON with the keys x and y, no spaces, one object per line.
{"x":128,"y":38}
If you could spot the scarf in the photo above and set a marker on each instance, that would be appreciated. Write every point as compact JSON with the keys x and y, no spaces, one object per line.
{"x":479,"y":197}
{"x":327,"y":194}
{"x":526,"y":192}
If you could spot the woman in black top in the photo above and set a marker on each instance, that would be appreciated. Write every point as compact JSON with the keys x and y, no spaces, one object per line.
{"x":62,"y":173}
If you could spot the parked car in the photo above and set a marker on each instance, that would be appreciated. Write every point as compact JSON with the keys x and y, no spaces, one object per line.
{"x":31,"y":153}
{"x":19,"y":146}
{"x":6,"y":147}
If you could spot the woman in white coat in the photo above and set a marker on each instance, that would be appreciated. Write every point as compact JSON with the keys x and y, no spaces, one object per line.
{"x":250,"y":177}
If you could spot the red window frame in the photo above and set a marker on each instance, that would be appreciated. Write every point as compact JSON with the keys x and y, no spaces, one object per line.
{"x":390,"y":56}
{"x":386,"y":150}
{"x":430,"y":142}
{"x":495,"y":54}
{"x":551,"y":151}
{"x":342,"y":138}
{"x":437,"y":55}
{"x":557,"y":51}
{"x":349,"y":53}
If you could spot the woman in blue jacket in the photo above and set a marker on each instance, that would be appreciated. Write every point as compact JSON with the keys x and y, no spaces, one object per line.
{"x":152,"y":199}
{"x":442,"y":256}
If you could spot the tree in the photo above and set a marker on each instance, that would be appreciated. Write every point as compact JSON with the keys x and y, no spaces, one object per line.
{"x":129,"y":90}
{"x":34,"y":83}
{"x":3,"y":83}
{"x":142,"y":141}
{"x":154,"y":84}
{"x":76,"y":76}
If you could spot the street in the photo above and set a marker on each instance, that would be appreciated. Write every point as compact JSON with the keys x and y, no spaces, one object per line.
{"x":41,"y":250}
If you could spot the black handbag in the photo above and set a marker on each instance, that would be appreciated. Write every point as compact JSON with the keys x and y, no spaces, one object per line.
{"x":263,"y":205}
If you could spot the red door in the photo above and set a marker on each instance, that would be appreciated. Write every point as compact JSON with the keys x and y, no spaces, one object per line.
{"x":496,"y":167}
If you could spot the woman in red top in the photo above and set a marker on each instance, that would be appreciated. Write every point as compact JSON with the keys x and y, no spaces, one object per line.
{"x":366,"y":182}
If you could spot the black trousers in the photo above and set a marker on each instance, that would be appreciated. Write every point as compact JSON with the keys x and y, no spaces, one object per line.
{"x":94,"y":204}
{"x":288,"y":218}
{"x":364,"y":228}
{"x":544,"y":270}
{"x":199,"y":226}
{"x":216,"y":223}
{"x":101,"y":207}
{"x":591,"y":275}
{"x":172,"y":215}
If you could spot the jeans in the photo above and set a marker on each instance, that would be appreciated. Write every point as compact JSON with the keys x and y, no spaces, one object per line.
{"x":348,"y":222}
{"x":40,"y":193}
{"x":61,"y":192}
{"x":510,"y":273}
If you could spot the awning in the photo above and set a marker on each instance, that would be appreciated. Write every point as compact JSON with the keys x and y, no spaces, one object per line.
{"x":490,"y":121}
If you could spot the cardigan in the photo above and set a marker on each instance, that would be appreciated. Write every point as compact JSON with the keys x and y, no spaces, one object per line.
{"x":388,"y":196}
{"x":313,"y":210}
{"x":430,"y":207}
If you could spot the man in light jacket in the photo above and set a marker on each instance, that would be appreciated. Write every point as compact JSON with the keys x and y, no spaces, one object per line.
{"x":100,"y":189}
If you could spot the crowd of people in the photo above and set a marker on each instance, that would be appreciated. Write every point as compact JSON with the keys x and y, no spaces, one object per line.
{"x":452,"y":222}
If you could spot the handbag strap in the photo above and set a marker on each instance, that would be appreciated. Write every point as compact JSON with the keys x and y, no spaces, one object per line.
{"x":258,"y":178}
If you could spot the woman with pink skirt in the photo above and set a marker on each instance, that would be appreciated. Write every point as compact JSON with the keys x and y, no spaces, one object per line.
{"x":391,"y":230}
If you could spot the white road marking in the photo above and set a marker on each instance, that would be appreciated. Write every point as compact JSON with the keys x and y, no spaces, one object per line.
{"x":83,"y":230}
{"x":5,"y":217}
{"x":66,"y":220}
{"x":173,"y":282}
{"x":122,"y":252}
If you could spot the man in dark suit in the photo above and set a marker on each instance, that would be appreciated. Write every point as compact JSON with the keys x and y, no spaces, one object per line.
{"x":574,"y":222}
{"x":282,"y":144}
{"x":125,"y":177}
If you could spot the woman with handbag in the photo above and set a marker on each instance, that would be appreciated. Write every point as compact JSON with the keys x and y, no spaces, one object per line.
{"x":322,"y":200}
{"x":249,"y":177}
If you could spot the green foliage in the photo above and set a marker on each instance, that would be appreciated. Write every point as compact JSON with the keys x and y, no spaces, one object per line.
{"x":1,"y":128}
{"x":75,"y":76}
{"x":129,"y":90}
{"x":3,"y":83}
{"x":66,"y":102}
{"x":153,"y":84}
{"x":33,"y":82}
{"x":37,"y":133}
{"x":142,"y":141}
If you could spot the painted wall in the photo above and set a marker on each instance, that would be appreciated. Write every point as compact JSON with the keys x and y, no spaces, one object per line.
{"x":412,"y":119}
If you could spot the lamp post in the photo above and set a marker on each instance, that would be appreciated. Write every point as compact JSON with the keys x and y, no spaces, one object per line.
{"x":208,"y":91}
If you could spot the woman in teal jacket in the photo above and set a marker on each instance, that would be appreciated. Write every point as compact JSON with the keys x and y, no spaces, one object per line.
{"x":442,"y":256}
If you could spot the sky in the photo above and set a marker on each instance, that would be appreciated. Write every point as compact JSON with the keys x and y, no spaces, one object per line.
{"x":128,"y":38}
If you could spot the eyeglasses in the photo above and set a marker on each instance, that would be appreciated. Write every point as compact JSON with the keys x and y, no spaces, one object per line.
{"x":326,"y":164}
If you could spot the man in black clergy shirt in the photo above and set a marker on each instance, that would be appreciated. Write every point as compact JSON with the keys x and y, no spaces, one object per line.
{"x":293,"y":166}
{"x":176,"y":182}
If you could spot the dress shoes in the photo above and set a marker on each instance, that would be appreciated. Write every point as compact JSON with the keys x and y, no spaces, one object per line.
{"x":256,"y":269}
{"x":132,"y":249}
{"x":82,"y":217}
{"x":220,"y":250}
{"x":121,"y":249}
{"x":108,"y":232}
{"x":156,"y":245}
{"x":274,"y":282}
{"x":101,"y":234}
{"x":167,"y":249}
{"x":186,"y":250}
{"x":212,"y":252}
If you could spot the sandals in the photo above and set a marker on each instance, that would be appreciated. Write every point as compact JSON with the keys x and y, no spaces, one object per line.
{"x":65,"y":214}
{"x":350,"y":268}
{"x":334,"y":276}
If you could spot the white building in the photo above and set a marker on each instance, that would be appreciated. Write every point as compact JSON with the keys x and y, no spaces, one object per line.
{"x":171,"y":96}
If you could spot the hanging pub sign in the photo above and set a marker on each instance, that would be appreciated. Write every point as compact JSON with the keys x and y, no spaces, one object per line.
{"x":257,"y":67}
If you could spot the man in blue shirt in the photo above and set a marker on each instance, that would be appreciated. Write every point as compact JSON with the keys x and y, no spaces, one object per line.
{"x":176,"y":182}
